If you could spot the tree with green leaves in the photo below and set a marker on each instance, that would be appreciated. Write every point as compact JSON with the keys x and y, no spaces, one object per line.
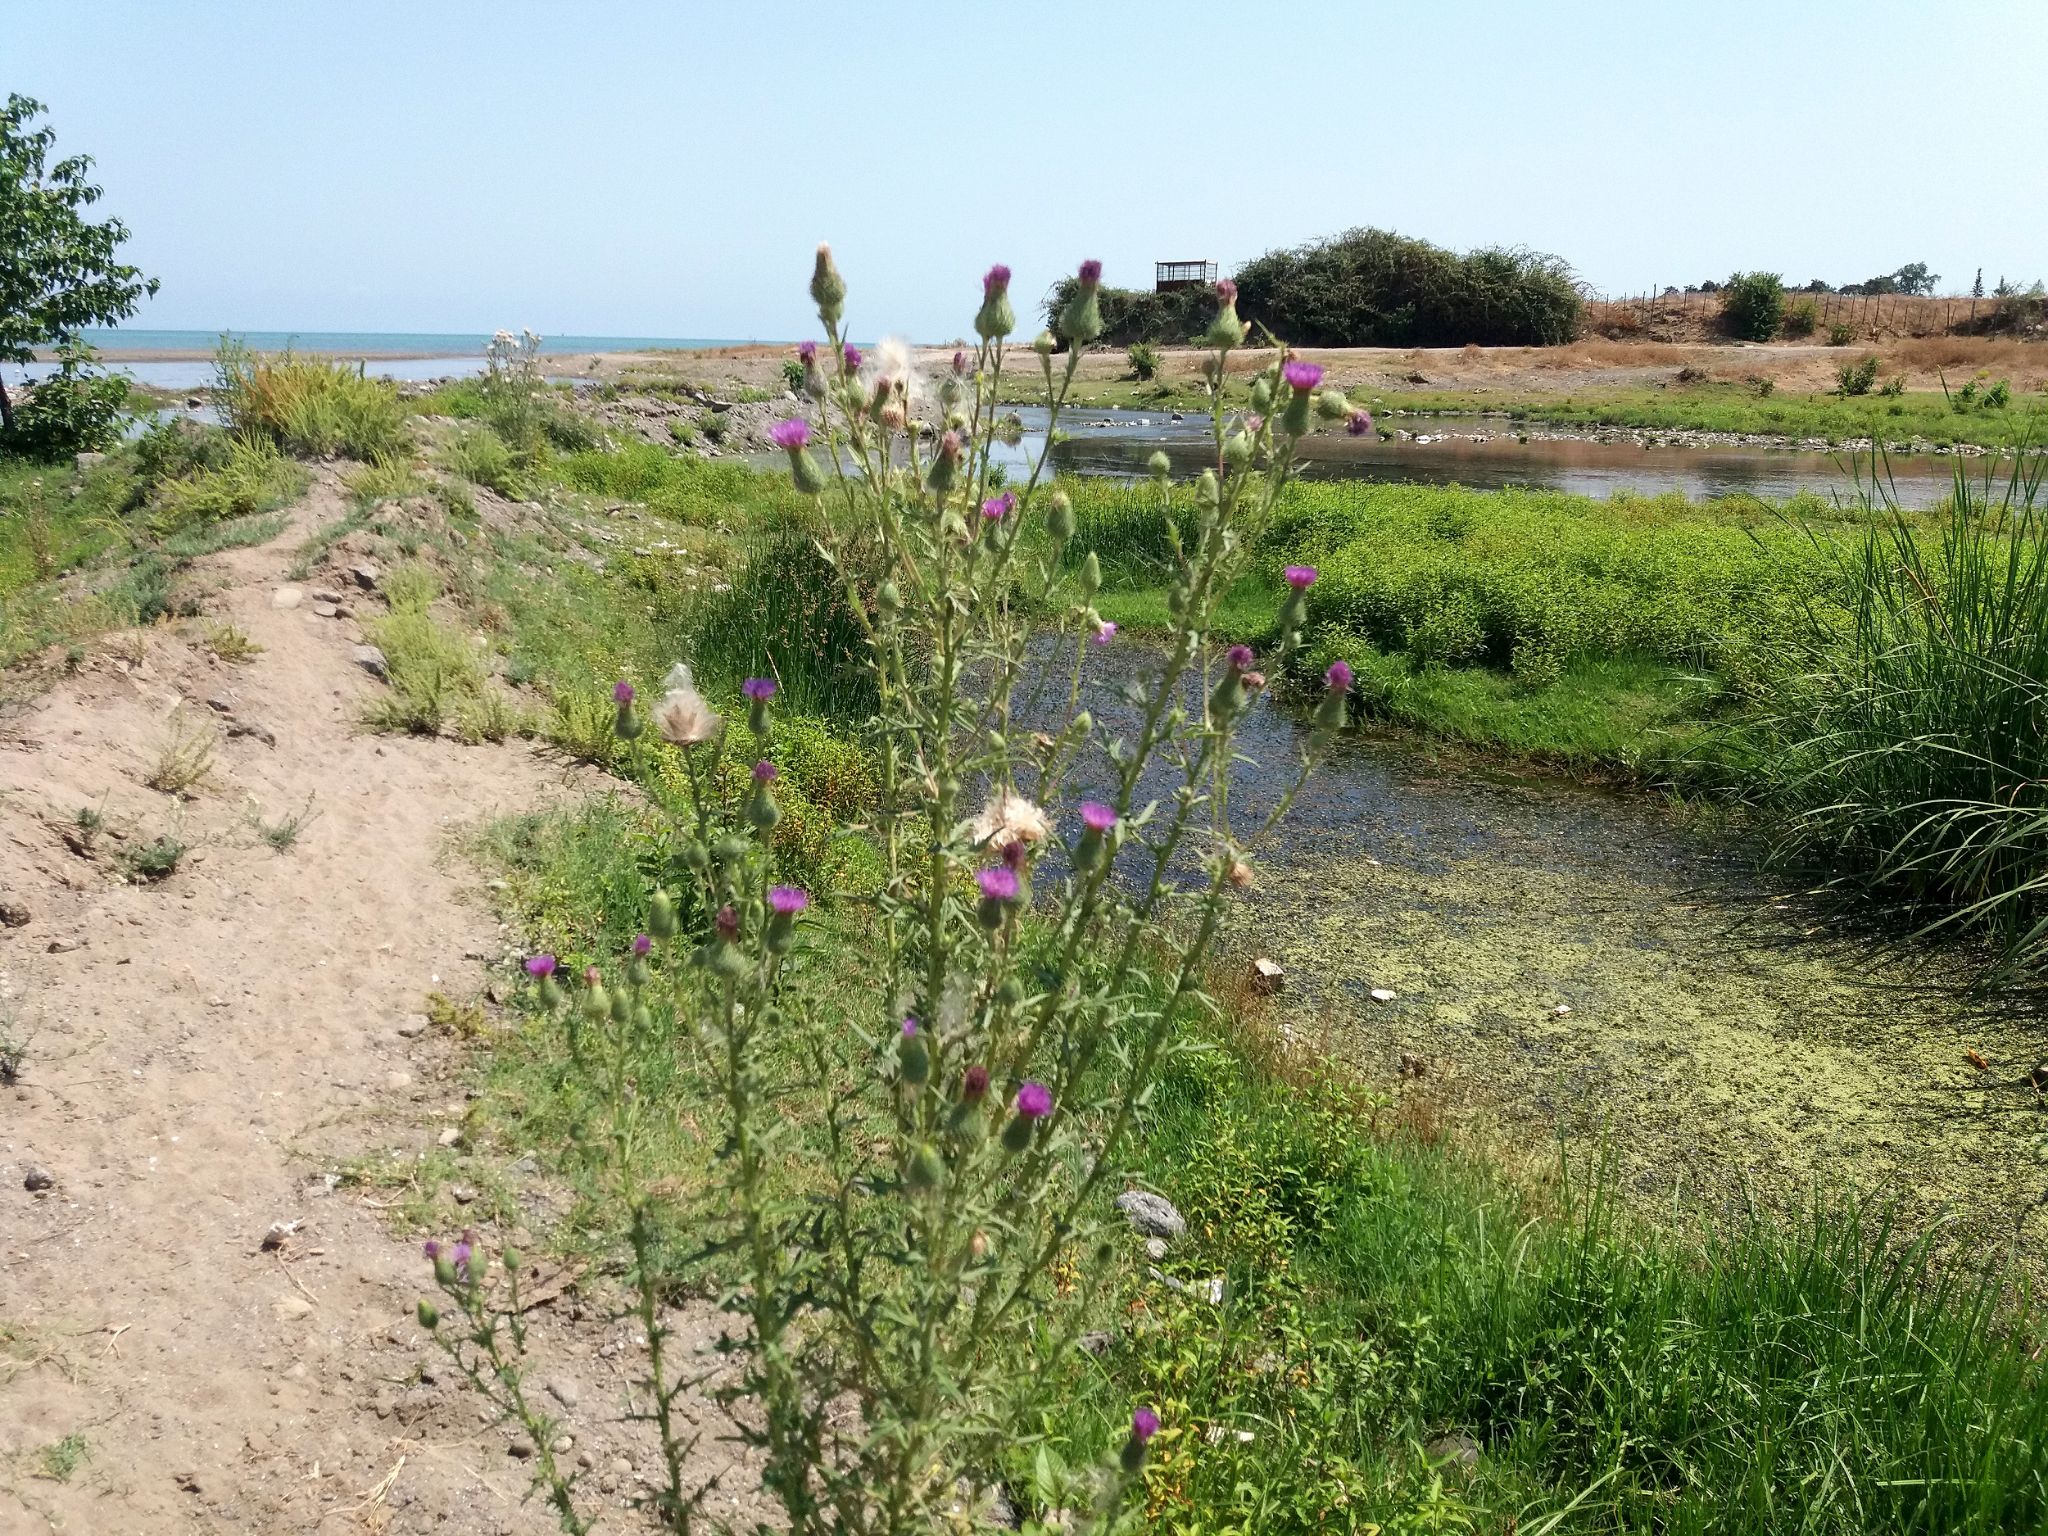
{"x":57,"y":268}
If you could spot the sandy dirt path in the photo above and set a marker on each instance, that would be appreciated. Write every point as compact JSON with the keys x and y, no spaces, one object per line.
{"x":202,"y":1055}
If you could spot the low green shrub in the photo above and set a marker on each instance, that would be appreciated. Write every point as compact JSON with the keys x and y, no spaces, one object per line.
{"x":313,"y":407}
{"x":1856,"y":378}
{"x":1144,"y":360}
{"x":1753,"y":305}
{"x":75,"y":409}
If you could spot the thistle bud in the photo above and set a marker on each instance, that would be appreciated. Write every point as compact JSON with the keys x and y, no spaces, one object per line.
{"x":1010,"y":993}
{"x":1045,"y":344}
{"x":624,"y":726}
{"x":1226,"y":330}
{"x":695,"y":857}
{"x":510,"y":1258}
{"x":1262,"y":395}
{"x":1206,"y":490}
{"x":621,"y":1006}
{"x":927,"y":1168}
{"x":661,"y":915}
{"x":814,"y":377}
{"x":1059,"y":516}
{"x":1091,"y":574}
{"x":1081,"y":321}
{"x":828,"y":288}
{"x":429,"y":1314}
{"x":597,"y":1003}
{"x":444,"y":1269}
{"x":946,"y":465}
{"x":1159,"y":466}
{"x":1237,"y":450}
{"x":912,"y":1055}
{"x":643,"y":1019}
{"x":1332,"y":406}
{"x":995,"y":317}
{"x":889,"y":598}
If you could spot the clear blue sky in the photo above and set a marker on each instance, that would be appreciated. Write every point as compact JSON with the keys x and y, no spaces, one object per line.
{"x":666,"y":168}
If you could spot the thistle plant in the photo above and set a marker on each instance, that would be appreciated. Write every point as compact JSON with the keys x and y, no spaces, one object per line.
{"x":1035,"y":947}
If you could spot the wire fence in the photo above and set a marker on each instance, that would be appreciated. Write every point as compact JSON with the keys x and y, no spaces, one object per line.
{"x":1866,"y":314}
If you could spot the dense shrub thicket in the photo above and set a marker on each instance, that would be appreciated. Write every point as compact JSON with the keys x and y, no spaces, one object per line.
{"x":1367,"y":288}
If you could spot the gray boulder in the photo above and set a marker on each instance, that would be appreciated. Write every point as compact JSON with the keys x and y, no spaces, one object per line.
{"x":1151,"y":1215}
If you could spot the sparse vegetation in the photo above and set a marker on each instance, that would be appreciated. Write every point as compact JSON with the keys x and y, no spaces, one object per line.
{"x":230,"y":643}
{"x":155,"y":860}
{"x":283,"y":834}
{"x":185,"y":757}
{"x":312,"y":407}
{"x":60,"y":1460}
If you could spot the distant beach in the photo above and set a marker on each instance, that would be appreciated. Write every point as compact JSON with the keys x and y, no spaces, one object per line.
{"x":125,"y":344}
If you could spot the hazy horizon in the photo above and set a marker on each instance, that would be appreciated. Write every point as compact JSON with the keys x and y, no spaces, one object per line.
{"x":650,"y":171}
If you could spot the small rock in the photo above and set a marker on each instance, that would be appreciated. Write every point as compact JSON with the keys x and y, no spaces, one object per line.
{"x":326,"y":595}
{"x":85,"y":461}
{"x":412,"y":1025}
{"x":292,"y":1309}
{"x":398,"y":1082}
{"x":262,"y":733}
{"x":325,"y":610}
{"x":13,"y":913}
{"x":1151,"y":1215}
{"x":221,"y":704}
{"x":1155,"y":1248}
{"x":372,"y":661}
{"x":1213,"y":1290}
{"x":1562,"y":1011}
{"x":63,"y":946}
{"x":36,"y":1177}
{"x":461,"y":1194}
{"x":621,"y":1467}
{"x":274,"y":1238}
{"x":1381,"y":995}
{"x":1097,"y":1341}
{"x":365,"y":575}
{"x":451,"y":1135}
{"x":1456,"y":1446}
{"x":1267,"y":976}
{"x":526,"y":1166}
{"x":563,"y":1445}
{"x":564,"y":1391}
{"x":1413,"y":1065}
{"x":287,"y":597}
{"x":585,"y":1460}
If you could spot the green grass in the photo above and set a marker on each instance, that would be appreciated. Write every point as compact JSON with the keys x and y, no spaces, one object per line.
{"x":1921,"y":417}
{"x":1385,"y":1290}
{"x":309,"y":406}
{"x":60,"y":1460}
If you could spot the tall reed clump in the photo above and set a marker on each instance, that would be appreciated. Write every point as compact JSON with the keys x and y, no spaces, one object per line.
{"x":307,"y":405}
{"x":1031,"y":958}
{"x":1908,"y":756}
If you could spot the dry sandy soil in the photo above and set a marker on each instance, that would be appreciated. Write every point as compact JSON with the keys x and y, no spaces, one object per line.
{"x":206,"y":1054}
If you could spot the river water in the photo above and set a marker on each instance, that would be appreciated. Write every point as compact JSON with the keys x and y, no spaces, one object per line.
{"x":1572,"y":967}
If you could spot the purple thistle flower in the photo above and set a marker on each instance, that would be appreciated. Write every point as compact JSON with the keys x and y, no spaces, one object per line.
{"x":764,"y":772}
{"x":1358,"y":423}
{"x":1096,"y":816}
{"x":1034,"y":1101}
{"x":996,"y":280}
{"x":909,"y":1025}
{"x":852,"y":356}
{"x":1338,"y":678}
{"x":807,"y":352}
{"x":974,"y":1083}
{"x":727,"y":922}
{"x":959,"y":364}
{"x":431,"y":1248}
{"x":999,"y":883}
{"x":1302,"y":376}
{"x":460,"y":1255}
{"x":1104,"y":633}
{"x":1300,"y":577}
{"x":997,"y":507}
{"x":592,"y":976}
{"x":622,"y":692}
{"x":1240,"y":658}
{"x":787,"y":900}
{"x":759,"y":687}
{"x":791,"y":434}
{"x":1226,"y":291}
{"x":1091,"y":273}
{"x":642,"y":943}
{"x":1144,"y":1425}
{"x":541,"y":965}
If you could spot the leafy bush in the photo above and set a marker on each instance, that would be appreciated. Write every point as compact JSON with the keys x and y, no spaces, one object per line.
{"x":1840,"y":335}
{"x":1369,"y":287}
{"x":1800,"y":319}
{"x":1144,"y":360}
{"x":793,"y":374}
{"x":76,"y":409}
{"x":1753,"y":305}
{"x":479,"y":455}
{"x":1856,"y":378}
{"x":312,"y":407}
{"x":1133,"y":315}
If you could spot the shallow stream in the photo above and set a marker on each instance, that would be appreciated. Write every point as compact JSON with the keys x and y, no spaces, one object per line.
{"x":1572,"y":965}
